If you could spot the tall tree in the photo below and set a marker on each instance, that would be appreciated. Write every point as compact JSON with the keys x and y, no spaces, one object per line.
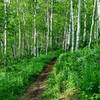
{"x":84,"y":35}
{"x":93,"y":21}
{"x":6,"y":3}
{"x":72,"y":26}
{"x":98,"y":19}
{"x":35,"y":31}
{"x":69,"y":32}
{"x":65,"y":36}
{"x":5,"y":27}
{"x":78,"y":25}
{"x":51,"y":22}
{"x":19,"y":27}
{"x":48,"y":27}
{"x":45,"y":26}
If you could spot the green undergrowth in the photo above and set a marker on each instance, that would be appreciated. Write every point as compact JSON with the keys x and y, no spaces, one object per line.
{"x":14,"y":78}
{"x":76,"y":76}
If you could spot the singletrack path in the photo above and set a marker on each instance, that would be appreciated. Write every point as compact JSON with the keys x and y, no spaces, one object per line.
{"x":34,"y":92}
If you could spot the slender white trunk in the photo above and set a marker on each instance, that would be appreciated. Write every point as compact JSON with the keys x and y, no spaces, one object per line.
{"x":97,"y":33}
{"x":47,"y":34}
{"x":78,"y":25}
{"x":32,"y":44}
{"x":65,"y":37}
{"x":51,"y":23}
{"x":84,"y":35}
{"x":72,"y":19}
{"x":37,"y":46}
{"x":92,"y":25}
{"x":65,"y":41}
{"x":19,"y":38}
{"x":19,"y":28}
{"x":98,"y":11}
{"x":14,"y":46}
{"x":35,"y":33}
{"x":95,"y":30}
{"x":5,"y":29}
{"x":98,"y":21}
{"x":23,"y":40}
{"x":69,"y":33}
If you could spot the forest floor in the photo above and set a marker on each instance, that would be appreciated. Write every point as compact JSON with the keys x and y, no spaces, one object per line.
{"x":36,"y":89}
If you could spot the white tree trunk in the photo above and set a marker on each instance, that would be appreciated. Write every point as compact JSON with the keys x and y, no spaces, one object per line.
{"x":65,"y":37}
{"x":69,"y":33}
{"x":24,"y":36}
{"x":51,"y":23}
{"x":98,"y":21}
{"x":97,"y":32}
{"x":19,"y":29}
{"x":19,"y":38}
{"x":35,"y":33}
{"x":5,"y":29}
{"x":78,"y":25}
{"x":98,"y":10}
{"x":72,"y":19}
{"x":47,"y":33}
{"x":84,"y":35}
{"x":66,"y":34}
{"x":92,"y":25}
{"x":37,"y":46}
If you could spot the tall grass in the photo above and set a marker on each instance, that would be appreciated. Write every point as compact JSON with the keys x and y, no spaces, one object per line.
{"x":76,"y":76}
{"x":14,"y":78}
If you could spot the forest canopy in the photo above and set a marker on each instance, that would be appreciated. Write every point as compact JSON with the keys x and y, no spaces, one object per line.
{"x":42,"y":36}
{"x":31,"y":27}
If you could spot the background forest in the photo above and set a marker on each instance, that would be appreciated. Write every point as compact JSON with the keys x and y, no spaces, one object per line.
{"x":33,"y":32}
{"x":31,"y":27}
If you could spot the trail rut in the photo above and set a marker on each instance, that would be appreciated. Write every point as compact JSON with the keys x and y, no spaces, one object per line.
{"x":34,"y":92}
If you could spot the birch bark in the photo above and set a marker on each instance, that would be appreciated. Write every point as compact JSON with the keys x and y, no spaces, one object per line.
{"x":72,"y":19}
{"x":84,"y":35}
{"x":51,"y":23}
{"x":78,"y":25}
{"x":92,"y":25}
{"x":48,"y":31}
{"x":35,"y":31}
{"x":5,"y":29}
{"x":19,"y":29}
{"x":69,"y":32}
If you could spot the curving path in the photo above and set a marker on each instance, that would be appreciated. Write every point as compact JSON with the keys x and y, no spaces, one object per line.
{"x":34,"y":92}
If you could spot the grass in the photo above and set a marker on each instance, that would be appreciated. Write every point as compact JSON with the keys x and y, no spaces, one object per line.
{"x":14,"y":78}
{"x":76,"y":76}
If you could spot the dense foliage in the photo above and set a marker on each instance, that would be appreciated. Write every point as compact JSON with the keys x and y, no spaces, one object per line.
{"x":76,"y":76}
{"x":14,"y":78}
{"x":31,"y":27}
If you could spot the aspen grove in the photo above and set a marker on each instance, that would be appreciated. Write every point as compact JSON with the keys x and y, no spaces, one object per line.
{"x":31,"y":28}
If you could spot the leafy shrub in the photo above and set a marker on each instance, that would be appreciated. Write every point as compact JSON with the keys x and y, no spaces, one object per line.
{"x":80,"y":71}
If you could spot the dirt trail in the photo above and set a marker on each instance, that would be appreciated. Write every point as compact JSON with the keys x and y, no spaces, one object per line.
{"x":36,"y":89}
